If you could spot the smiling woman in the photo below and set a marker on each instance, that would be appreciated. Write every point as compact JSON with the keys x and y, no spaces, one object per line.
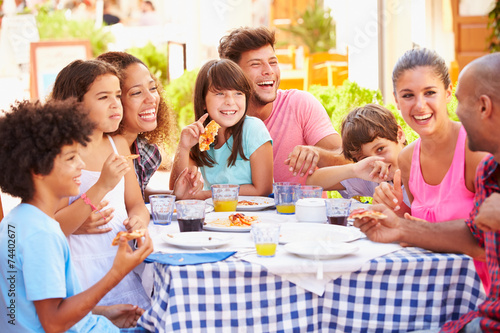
{"x":438,"y":169}
{"x":147,"y":124}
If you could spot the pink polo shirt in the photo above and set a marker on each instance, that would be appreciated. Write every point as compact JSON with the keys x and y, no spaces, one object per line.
{"x":297,"y":118}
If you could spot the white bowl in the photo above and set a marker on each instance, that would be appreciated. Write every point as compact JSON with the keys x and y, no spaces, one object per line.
{"x":310,"y":210}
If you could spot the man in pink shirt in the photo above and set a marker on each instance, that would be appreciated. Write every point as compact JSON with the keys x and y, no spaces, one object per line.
{"x":303,"y":135}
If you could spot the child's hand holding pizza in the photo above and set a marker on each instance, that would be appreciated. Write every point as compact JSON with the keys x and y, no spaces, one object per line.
{"x":191,"y":133}
{"x":126,"y":258}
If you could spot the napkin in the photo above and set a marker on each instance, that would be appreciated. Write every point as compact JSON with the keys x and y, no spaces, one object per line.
{"x":182,"y":259}
{"x":305,"y":272}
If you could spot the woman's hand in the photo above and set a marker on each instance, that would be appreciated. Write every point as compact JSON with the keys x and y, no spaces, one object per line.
{"x":114,"y":168}
{"x":390,"y":195}
{"x":190,"y":134}
{"x":97,"y":219}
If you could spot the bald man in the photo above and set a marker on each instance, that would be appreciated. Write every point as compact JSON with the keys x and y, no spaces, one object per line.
{"x":479,"y":236}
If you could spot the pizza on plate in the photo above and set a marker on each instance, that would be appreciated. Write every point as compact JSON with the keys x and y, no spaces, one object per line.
{"x":239,"y":219}
{"x":209,"y":136}
{"x":361,"y":212}
{"x":234,"y":220}
{"x":247,"y":203}
{"x":129,"y":235}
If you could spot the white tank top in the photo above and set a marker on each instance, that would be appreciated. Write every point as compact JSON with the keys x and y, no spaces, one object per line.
{"x":93,"y":254}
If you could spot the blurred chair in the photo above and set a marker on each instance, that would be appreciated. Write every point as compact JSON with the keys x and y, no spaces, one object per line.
{"x":454,"y":71}
{"x":291,"y":77}
{"x":326,"y":69}
{"x":287,"y":57}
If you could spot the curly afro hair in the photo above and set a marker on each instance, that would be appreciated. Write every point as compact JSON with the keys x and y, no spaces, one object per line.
{"x":32,"y":135}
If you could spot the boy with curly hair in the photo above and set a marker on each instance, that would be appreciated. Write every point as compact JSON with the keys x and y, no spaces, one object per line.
{"x":40,"y":164}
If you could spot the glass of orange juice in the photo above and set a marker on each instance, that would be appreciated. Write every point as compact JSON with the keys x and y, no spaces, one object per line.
{"x":225,"y":197}
{"x":285,"y":196}
{"x":266,"y":237}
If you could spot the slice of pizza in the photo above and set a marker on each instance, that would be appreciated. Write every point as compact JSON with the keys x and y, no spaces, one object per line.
{"x":240,"y":220}
{"x":361,"y":212}
{"x":129,"y":235}
{"x":209,"y":136}
{"x":132,"y":156}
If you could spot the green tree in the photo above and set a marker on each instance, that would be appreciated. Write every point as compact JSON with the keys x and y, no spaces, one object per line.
{"x":315,"y":28}
{"x":179,"y":95}
{"x":53,"y":24}
{"x":155,"y":57}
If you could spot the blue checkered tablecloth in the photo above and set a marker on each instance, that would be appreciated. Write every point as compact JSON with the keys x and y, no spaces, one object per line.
{"x":407,"y":290}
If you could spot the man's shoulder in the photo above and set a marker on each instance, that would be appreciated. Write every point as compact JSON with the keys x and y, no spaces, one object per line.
{"x":293,"y":93}
{"x":487,"y":166}
{"x":297,"y":99}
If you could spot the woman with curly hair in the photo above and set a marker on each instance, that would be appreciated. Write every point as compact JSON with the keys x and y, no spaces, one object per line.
{"x":148,"y":124}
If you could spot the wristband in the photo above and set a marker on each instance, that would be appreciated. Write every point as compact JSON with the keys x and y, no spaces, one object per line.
{"x":88,"y":202}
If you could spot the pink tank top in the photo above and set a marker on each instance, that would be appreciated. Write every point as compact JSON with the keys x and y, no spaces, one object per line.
{"x":448,"y":200}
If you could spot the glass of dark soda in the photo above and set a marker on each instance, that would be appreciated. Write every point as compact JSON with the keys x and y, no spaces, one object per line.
{"x":337,"y":211}
{"x":190,"y":215}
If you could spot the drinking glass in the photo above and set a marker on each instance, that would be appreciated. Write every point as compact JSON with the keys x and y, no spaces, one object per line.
{"x":190,"y":215}
{"x":225,"y":197}
{"x":337,"y":211}
{"x":162,"y":208}
{"x":266,"y":237}
{"x":285,"y":197}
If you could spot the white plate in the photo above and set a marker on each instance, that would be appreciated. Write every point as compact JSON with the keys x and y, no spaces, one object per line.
{"x":208,"y":209}
{"x":320,"y":250}
{"x":302,"y":231}
{"x":197,"y":240}
{"x":262,"y":217}
{"x":261,"y":203}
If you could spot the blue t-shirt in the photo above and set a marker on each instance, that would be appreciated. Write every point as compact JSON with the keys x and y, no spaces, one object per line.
{"x":255,"y":134}
{"x":35,"y":264}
